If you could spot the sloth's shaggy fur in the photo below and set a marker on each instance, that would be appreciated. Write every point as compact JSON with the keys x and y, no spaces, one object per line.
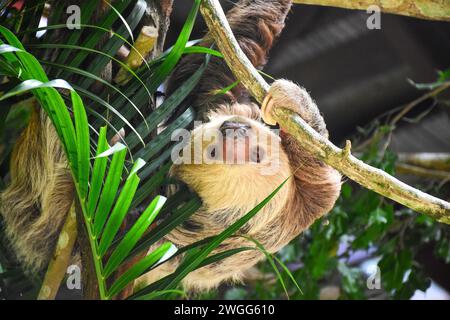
{"x":40,"y":193}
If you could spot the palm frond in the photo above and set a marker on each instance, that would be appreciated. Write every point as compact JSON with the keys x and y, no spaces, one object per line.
{"x":103,"y":223}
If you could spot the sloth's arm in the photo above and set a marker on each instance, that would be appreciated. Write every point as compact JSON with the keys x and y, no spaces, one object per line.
{"x":256,"y":24}
{"x":317,"y":184}
{"x":286,"y":94}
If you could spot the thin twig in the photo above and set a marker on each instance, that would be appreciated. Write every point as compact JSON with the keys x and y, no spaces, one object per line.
{"x":367,"y":176}
{"x":419,"y":100}
{"x":403,"y":110}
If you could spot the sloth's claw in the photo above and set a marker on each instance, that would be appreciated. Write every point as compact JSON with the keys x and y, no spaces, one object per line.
{"x":284,"y":94}
{"x":266,"y":110}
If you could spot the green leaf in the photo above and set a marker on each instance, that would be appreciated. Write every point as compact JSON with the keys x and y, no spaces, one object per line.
{"x":138,"y":269}
{"x":289,"y":273}
{"x":112,"y":150}
{"x":49,"y":98}
{"x":33,"y":84}
{"x":111,"y":48}
{"x":169,"y":105}
{"x":123,"y":20}
{"x":271,"y":261}
{"x":136,"y":167}
{"x":74,"y":47}
{"x":82,"y":133}
{"x":191,"y":264}
{"x":154,"y":181}
{"x":97,"y":79}
{"x":444,"y":75}
{"x":113,"y":44}
{"x":175,"y":54}
{"x":350,"y":279}
{"x":133,"y":235}
{"x":198,"y":49}
{"x":102,"y":102}
{"x":98,"y":173}
{"x":118,"y":213}
{"x":157,"y":294}
{"x":167,"y":225}
{"x":109,"y":191}
{"x":165,"y":137}
{"x":346,"y":190}
{"x":227,"y":88}
{"x":378,"y":216}
{"x":393,"y":269}
{"x":8,"y":70}
{"x":88,"y":9}
{"x":94,"y":37}
{"x":143,"y":293}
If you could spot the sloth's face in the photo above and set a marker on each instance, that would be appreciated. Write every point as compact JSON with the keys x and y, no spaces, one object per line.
{"x":233,"y":141}
{"x":233,"y":152}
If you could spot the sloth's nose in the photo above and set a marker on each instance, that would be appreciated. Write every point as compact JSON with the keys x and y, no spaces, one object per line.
{"x":239,"y":128}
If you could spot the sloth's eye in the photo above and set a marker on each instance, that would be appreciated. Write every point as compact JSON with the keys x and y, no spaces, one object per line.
{"x":213,"y":153}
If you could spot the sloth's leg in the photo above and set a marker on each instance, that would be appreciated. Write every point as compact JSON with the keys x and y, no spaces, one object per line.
{"x":288,"y":95}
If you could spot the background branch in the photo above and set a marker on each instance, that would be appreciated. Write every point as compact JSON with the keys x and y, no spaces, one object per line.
{"x":438,"y":161}
{"x":423,"y":9}
{"x":61,"y":258}
{"x":367,"y":176}
{"x":404,"y":168}
{"x":142,"y":47}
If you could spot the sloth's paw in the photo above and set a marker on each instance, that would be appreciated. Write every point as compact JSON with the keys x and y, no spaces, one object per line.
{"x":285,"y":94}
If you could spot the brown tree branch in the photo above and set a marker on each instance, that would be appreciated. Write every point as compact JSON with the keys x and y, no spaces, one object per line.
{"x":423,"y":9}
{"x":142,"y":47}
{"x":429,"y":160}
{"x":367,"y":176}
{"x":404,"y":168}
{"x":61,"y":258}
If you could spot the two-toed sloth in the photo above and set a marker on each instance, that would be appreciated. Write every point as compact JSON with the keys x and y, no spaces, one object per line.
{"x":230,"y":190}
{"x":34,"y":213}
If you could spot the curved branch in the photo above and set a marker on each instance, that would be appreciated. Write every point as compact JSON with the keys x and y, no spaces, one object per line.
{"x":423,"y":9}
{"x":367,"y":176}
